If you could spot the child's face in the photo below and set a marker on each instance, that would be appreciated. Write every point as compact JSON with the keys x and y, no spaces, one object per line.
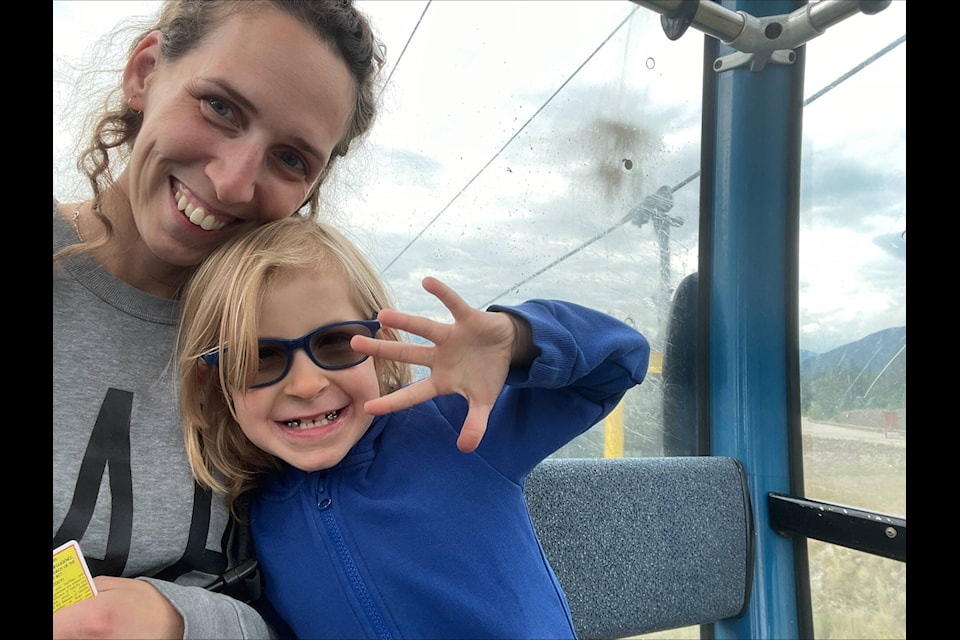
{"x":311,"y":417}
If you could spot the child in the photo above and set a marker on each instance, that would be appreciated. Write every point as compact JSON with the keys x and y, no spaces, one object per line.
{"x":382,"y":508}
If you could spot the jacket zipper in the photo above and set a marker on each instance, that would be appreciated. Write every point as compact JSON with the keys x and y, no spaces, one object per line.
{"x":324,"y":503}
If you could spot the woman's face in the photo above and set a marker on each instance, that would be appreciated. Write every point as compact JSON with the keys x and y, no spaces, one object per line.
{"x":234,"y":134}
{"x":311,"y":417}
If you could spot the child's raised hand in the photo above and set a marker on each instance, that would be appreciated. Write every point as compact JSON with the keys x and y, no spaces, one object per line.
{"x":470,"y":357}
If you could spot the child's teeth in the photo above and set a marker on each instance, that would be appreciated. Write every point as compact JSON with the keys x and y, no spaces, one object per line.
{"x":296,"y":424}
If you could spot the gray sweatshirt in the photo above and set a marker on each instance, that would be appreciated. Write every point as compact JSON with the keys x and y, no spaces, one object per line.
{"x":121,"y":483}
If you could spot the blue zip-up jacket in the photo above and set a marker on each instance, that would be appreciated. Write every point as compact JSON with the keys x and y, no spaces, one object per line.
{"x":407,"y":537}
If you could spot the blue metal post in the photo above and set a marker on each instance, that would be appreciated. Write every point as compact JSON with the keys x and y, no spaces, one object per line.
{"x":749,"y":310}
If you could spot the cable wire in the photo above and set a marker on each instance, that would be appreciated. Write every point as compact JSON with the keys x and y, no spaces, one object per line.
{"x":887,"y":49}
{"x":407,"y":44}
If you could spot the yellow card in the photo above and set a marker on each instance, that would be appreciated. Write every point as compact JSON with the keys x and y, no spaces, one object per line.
{"x":71,"y":577}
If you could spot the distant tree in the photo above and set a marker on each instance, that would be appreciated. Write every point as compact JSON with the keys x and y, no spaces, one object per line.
{"x":848,"y":387}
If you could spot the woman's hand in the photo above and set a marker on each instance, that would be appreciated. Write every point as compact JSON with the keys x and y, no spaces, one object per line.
{"x":122,"y":608}
{"x":470,"y":357}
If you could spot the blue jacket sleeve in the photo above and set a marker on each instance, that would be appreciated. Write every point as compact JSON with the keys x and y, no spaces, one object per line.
{"x":587,"y":362}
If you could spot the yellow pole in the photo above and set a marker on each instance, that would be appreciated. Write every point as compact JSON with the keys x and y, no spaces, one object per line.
{"x":613,"y":425}
{"x":613,"y":433}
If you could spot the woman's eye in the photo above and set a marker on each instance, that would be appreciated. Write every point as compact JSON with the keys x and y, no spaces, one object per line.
{"x":293,"y":161}
{"x":220,"y":107}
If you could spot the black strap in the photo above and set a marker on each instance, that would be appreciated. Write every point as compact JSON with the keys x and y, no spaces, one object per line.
{"x":243,"y":580}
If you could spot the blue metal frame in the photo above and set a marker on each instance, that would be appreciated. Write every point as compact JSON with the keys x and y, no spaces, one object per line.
{"x":751,"y":307}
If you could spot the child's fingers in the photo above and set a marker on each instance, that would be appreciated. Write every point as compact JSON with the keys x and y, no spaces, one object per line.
{"x":400,"y":399}
{"x":450,"y":298}
{"x":417,"y":325}
{"x":393,"y":350}
{"x":474,"y":426}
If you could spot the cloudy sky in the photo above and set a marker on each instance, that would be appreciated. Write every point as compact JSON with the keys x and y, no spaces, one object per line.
{"x":515,"y":139}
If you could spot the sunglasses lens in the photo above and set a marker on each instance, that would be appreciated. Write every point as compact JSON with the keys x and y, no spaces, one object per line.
{"x":331,"y":347}
{"x":272,"y":362}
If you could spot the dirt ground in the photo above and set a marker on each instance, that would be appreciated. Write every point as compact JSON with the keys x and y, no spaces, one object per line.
{"x":894,"y":437}
{"x":875,"y":418}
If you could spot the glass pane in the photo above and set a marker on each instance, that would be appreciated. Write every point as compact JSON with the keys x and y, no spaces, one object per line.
{"x":853,"y":310}
{"x":518,"y":147}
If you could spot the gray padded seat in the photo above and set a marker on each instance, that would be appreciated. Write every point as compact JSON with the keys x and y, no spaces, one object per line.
{"x":645,"y":544}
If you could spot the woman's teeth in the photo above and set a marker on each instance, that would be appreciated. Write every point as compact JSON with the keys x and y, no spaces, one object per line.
{"x":308,"y":424}
{"x":197,"y":215}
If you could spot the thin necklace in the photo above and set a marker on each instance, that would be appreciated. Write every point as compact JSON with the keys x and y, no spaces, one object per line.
{"x":76,"y":224}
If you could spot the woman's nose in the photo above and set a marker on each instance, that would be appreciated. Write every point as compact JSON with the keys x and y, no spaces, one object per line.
{"x":235,"y":170}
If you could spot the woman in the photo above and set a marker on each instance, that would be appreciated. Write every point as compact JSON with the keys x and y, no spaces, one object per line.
{"x":229,"y":114}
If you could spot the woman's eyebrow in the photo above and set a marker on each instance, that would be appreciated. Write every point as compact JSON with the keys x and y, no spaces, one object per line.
{"x":233,"y":94}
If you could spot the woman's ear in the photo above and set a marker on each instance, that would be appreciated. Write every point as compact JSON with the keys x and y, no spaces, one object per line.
{"x":142,"y":62}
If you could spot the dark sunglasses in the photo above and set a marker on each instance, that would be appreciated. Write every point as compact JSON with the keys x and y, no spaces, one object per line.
{"x":328,"y":347}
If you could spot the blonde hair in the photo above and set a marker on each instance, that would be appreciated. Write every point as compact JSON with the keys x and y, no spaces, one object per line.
{"x":221,"y":306}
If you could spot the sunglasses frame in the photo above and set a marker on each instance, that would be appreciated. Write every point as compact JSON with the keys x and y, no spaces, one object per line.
{"x":303,"y":342}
